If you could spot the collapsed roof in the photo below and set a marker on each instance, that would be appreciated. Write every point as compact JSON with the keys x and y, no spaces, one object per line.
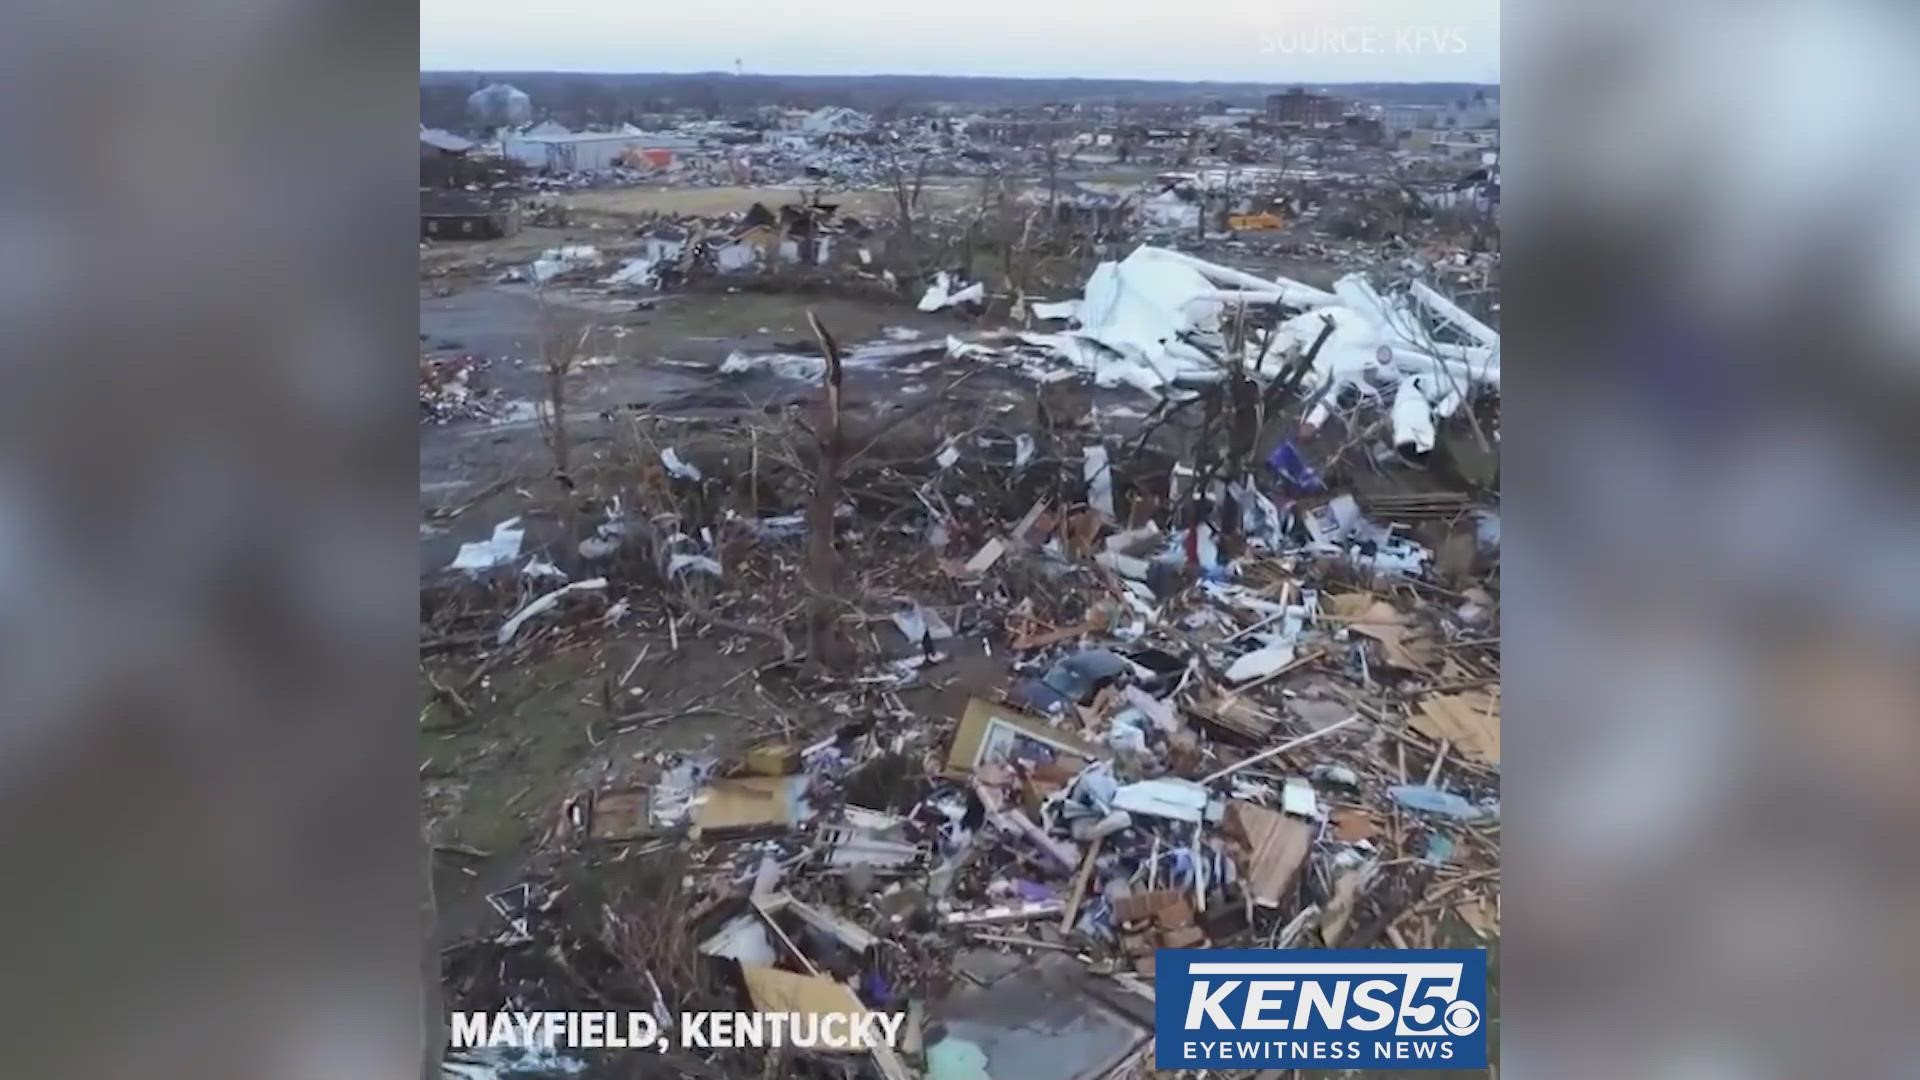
{"x":1159,"y":317}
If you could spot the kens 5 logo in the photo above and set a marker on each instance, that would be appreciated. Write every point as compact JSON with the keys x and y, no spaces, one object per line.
{"x":1320,"y":1008}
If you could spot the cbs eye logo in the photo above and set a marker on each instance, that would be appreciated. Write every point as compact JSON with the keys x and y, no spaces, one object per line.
{"x":1462,"y":1018}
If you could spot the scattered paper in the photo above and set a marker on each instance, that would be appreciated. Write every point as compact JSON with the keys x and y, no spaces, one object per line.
{"x":499,"y":549}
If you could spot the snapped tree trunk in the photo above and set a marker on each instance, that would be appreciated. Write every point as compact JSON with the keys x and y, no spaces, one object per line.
{"x":826,"y":646}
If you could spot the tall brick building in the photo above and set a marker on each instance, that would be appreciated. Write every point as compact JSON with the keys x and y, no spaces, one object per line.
{"x":1296,"y":106}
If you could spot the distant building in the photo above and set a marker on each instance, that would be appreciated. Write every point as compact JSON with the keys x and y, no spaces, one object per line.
{"x":594,"y":151}
{"x":456,"y":215}
{"x":1400,"y":119}
{"x":1023,"y":131}
{"x":1478,"y":111}
{"x":1463,"y":114}
{"x":1364,"y":130}
{"x":1297,"y":106}
{"x":499,"y":105}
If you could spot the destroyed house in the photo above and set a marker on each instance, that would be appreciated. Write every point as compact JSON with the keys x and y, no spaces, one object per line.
{"x":1085,"y":211}
{"x":459,"y":215}
{"x":1024,"y":131}
{"x":436,"y":143}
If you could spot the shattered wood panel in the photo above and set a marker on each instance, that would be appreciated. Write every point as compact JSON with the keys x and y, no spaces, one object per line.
{"x":623,"y":815}
{"x":1276,"y":847}
{"x":1402,"y":645}
{"x":1470,"y":721}
{"x":1236,"y":717}
{"x":750,"y":802}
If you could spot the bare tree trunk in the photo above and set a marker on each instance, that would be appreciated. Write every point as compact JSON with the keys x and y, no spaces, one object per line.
{"x":1053,"y":187}
{"x":559,"y":352}
{"x":905,"y":197}
{"x":825,"y":644}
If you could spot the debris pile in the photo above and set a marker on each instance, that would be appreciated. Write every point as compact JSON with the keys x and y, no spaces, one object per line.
{"x":1227,"y":679}
{"x":447,"y":392}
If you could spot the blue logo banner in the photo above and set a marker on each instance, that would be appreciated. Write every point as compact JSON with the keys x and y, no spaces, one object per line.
{"x":1320,"y":1008}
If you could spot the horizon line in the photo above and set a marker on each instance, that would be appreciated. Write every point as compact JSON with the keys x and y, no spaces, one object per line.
{"x":936,"y":75}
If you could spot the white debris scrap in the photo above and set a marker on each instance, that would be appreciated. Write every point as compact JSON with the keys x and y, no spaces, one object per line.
{"x":677,"y":468}
{"x":943,"y":294}
{"x":499,"y":549}
{"x":1261,"y":662}
{"x":786,"y":365}
{"x":701,"y":563}
{"x":919,"y":623}
{"x":1099,"y":475}
{"x":556,"y":261}
{"x":544,"y":604}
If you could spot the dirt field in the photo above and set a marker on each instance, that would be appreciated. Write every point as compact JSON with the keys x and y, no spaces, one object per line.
{"x":707,"y":202}
{"x":730,"y":200}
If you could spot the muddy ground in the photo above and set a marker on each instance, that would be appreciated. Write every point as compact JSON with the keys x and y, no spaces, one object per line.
{"x":493,"y":776}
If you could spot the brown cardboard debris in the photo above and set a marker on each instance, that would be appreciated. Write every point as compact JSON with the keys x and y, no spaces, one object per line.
{"x":1237,"y":717}
{"x":1469,"y":720}
{"x":774,"y":990}
{"x":622,"y":815}
{"x":1347,"y":606}
{"x":774,"y":759}
{"x":750,"y":802}
{"x":1402,"y":645}
{"x":1275,"y":848}
{"x":1140,"y":906}
{"x":1187,"y":938}
{"x":1081,"y":532}
{"x":1352,"y":826}
{"x":1175,"y":916}
{"x":986,"y":730}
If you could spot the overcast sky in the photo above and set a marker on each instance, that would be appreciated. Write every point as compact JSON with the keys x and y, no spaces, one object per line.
{"x":1228,"y":40}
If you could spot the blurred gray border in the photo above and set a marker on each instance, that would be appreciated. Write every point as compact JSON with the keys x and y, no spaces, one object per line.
{"x":207,"y":519}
